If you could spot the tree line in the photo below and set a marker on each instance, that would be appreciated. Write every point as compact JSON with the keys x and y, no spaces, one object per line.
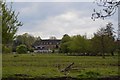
{"x":23,"y":42}
{"x":103,"y":43}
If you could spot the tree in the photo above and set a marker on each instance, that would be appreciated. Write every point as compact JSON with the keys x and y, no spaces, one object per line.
{"x":75,"y":45}
{"x":78,"y":44}
{"x":103,"y":40}
{"x":25,"y":39}
{"x":0,"y":33}
{"x":0,"y":29}
{"x":65,"y":44}
{"x":110,"y":33}
{"x":0,"y":24}
{"x":99,"y":42}
{"x":109,"y":8}
{"x":10,"y":25}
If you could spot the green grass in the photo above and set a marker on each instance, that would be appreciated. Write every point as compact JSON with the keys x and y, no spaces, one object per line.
{"x":46,"y":65}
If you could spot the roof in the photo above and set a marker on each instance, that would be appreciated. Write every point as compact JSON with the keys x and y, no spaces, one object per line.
{"x":47,"y":42}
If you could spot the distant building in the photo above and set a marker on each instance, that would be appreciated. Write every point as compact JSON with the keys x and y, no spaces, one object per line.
{"x":47,"y":45}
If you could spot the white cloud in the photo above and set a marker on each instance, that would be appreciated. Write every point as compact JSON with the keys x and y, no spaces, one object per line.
{"x":72,"y":23}
{"x":45,"y":20}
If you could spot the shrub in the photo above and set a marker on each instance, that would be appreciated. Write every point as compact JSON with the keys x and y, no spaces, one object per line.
{"x":21,"y":49}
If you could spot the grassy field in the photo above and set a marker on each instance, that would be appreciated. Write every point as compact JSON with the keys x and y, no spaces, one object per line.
{"x":50,"y":66}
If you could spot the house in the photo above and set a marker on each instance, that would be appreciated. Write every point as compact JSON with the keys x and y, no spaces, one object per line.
{"x":47,"y":45}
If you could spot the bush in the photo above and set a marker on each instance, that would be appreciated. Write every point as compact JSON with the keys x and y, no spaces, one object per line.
{"x":21,"y":49}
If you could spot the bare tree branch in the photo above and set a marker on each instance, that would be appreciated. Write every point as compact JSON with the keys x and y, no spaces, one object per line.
{"x":109,"y":8}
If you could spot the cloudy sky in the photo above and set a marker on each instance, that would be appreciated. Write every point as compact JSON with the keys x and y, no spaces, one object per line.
{"x":46,"y":19}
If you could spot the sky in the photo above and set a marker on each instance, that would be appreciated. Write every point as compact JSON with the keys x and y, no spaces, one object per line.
{"x":46,"y":19}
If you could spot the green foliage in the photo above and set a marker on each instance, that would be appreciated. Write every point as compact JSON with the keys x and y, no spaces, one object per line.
{"x":10,"y":25}
{"x":21,"y":49}
{"x":118,"y":46}
{"x":75,"y":44}
{"x":0,"y":29}
{"x":78,"y":44}
{"x":65,"y":44}
{"x":25,"y":39}
{"x":103,"y":40}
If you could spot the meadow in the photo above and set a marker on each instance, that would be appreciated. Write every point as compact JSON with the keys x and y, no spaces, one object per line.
{"x":50,"y":66}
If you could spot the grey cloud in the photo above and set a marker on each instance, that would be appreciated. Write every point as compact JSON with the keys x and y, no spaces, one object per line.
{"x":46,"y":18}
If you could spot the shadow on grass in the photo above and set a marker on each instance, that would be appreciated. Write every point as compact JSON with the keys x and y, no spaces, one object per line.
{"x":62,"y":78}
